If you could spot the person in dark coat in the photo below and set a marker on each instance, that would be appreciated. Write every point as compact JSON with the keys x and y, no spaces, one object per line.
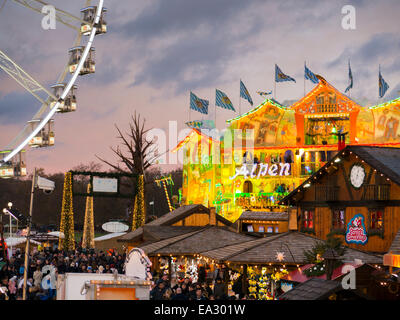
{"x":158,"y":292}
{"x":238,"y":287}
{"x":219,"y":289}
{"x":199,"y":295}
{"x":179,"y":295}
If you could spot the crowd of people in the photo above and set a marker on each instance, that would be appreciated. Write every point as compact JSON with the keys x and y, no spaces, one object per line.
{"x":204,"y":288}
{"x":45,"y":265}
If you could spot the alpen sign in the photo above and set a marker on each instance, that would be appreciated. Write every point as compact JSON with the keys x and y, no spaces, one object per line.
{"x":281,"y":169}
{"x":356,"y":232}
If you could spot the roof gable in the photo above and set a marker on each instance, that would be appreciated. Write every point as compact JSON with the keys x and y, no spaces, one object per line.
{"x":310,"y":105}
{"x":267,"y":103}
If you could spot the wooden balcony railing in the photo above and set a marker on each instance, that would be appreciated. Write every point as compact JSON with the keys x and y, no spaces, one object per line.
{"x":376,"y":192}
{"x":326,"y":193}
{"x":326,"y":108}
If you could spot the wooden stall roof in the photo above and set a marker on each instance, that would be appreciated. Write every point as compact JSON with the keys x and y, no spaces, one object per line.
{"x":292,"y":244}
{"x":264,"y":216}
{"x":313,"y":289}
{"x":384,"y":159}
{"x":169,"y":219}
{"x":208,"y":238}
{"x":183,"y":212}
{"x":156,"y":233}
{"x":178,"y":214}
{"x":154,"y":246}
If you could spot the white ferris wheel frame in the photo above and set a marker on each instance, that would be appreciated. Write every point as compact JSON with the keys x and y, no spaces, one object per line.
{"x":71,"y":82}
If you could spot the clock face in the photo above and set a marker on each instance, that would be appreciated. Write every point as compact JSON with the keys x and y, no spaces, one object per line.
{"x":357,"y":175}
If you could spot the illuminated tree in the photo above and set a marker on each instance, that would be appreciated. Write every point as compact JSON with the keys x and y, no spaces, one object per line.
{"x":139,"y":210}
{"x":88,"y":226}
{"x":67,"y":216}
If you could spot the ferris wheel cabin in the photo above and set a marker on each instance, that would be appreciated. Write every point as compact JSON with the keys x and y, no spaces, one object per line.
{"x":69,"y":103}
{"x":45,"y":137}
{"x":88,"y":16}
{"x":15,"y":167}
{"x":75,"y":55}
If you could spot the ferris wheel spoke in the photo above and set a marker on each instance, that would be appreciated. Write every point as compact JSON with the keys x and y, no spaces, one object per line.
{"x":24,"y":79}
{"x":62,"y":16}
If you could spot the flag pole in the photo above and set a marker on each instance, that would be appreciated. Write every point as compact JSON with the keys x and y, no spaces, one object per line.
{"x":275,"y":83}
{"x":215,"y":115}
{"x":304,"y":79}
{"x":240,"y":100}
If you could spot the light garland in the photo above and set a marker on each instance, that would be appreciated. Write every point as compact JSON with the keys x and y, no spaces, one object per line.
{"x":88,"y":226}
{"x":139,"y":212}
{"x":67,"y":216}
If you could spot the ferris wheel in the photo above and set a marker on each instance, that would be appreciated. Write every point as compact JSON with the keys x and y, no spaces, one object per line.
{"x":61,"y":97}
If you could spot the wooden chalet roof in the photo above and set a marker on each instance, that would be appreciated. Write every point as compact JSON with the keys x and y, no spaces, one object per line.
{"x":162,"y":228}
{"x":208,"y":238}
{"x":183,"y":212}
{"x":156,"y":233}
{"x":384,"y":159}
{"x":154,"y":246}
{"x":313,"y":289}
{"x":264,"y":216}
{"x":291,"y":244}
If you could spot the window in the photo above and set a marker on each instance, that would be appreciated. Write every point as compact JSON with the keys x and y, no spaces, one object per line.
{"x":250,"y":228}
{"x":308,"y":219}
{"x":376,"y":219}
{"x":338,"y":219}
{"x":247,"y":187}
{"x":261,"y":229}
{"x":270,"y":229}
{"x":276,"y":229}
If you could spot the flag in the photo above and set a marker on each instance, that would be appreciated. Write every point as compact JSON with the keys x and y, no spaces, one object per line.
{"x":351,"y":79}
{"x":263,"y":93}
{"x":383,"y":86}
{"x":309,"y":75}
{"x":244,"y":93}
{"x":222,"y":100}
{"x":197,"y":104}
{"x":280,"y":76}
{"x":201,"y":124}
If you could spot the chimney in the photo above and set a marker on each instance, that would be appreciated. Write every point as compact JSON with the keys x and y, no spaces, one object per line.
{"x":213,"y":217}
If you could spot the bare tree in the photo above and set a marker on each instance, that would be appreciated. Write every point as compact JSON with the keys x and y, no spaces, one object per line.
{"x":134,"y":156}
{"x":135,"y":159}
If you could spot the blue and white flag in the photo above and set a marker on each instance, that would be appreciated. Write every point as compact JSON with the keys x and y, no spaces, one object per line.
{"x":309,"y":75}
{"x":244,"y":93}
{"x":280,"y":76}
{"x":264,"y":94}
{"x":383,"y":86}
{"x":222,"y":100}
{"x":351,"y":79}
{"x":198,"y":104}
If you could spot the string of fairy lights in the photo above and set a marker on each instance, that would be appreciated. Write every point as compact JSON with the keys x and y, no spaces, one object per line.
{"x":67,"y":216}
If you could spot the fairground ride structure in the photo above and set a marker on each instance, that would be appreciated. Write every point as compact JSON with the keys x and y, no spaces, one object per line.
{"x":61,"y":98}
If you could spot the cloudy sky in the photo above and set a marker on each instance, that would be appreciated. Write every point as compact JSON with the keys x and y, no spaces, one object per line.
{"x":157,"y":51}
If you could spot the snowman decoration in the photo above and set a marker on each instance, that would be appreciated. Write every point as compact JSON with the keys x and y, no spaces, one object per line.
{"x":137,"y":264}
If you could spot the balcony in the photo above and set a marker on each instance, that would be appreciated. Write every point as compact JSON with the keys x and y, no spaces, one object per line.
{"x":326,"y":108}
{"x":326,"y":193}
{"x":376,"y":192}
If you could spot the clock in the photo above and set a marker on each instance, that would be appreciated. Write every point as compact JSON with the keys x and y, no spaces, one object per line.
{"x":357,"y":175}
